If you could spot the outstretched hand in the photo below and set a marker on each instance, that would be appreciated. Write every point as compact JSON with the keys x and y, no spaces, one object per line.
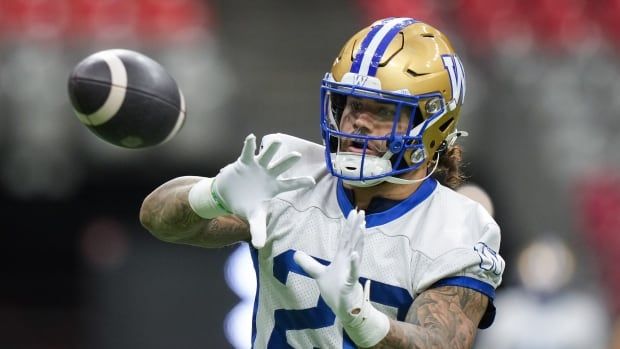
{"x":244,"y":187}
{"x":339,"y":286}
{"x":338,"y":281}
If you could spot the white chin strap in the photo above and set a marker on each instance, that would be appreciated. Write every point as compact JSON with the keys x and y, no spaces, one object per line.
{"x":349,"y":164}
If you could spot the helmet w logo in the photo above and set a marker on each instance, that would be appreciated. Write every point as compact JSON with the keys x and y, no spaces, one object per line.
{"x":457,"y":77}
{"x":360,"y":80}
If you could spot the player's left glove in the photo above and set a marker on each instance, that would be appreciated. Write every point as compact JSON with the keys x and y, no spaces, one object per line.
{"x":339,"y":286}
{"x":245,"y":186}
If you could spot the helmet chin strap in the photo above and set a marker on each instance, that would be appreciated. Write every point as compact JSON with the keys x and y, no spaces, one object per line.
{"x":397,"y":180}
{"x":451,"y":138}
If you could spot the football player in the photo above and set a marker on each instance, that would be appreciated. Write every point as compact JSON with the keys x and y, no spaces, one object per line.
{"x":354,"y":242}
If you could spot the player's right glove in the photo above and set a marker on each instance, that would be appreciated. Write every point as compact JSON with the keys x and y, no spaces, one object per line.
{"x":244,"y":187}
{"x":340,"y":288}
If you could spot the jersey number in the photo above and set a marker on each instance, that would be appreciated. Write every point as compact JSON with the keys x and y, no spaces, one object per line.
{"x":321,"y":315}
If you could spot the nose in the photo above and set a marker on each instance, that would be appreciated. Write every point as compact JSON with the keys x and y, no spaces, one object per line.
{"x":363,"y":121}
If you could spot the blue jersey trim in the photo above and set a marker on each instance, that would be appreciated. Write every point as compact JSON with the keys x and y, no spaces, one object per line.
{"x":468,"y":282}
{"x":477,"y":285}
{"x":376,"y":219}
{"x":254,"y":255}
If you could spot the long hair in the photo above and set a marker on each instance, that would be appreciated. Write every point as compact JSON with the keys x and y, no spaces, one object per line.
{"x":449,"y":170}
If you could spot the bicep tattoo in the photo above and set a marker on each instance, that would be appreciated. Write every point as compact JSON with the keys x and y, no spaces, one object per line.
{"x":452,"y":312}
{"x":443,"y":317}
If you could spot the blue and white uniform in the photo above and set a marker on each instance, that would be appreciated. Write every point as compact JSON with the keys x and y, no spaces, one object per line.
{"x":434,"y":237}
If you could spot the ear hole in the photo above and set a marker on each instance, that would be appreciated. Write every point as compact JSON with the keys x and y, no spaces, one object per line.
{"x":432,"y":144}
{"x":445,"y":125}
{"x":428,"y":35}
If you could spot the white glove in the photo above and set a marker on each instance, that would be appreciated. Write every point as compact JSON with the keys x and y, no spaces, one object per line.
{"x":339,"y":286}
{"x":245,"y":186}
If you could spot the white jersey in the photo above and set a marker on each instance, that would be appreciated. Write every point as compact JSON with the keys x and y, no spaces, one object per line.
{"x":435,"y":237}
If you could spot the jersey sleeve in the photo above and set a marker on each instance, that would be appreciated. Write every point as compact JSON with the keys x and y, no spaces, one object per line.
{"x":473,"y":263}
{"x":312,"y":162}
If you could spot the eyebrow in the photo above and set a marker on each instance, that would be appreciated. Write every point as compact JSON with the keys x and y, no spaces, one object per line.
{"x":379,"y":104}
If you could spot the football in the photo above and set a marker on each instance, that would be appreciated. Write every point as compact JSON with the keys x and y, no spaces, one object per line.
{"x":126,"y":98}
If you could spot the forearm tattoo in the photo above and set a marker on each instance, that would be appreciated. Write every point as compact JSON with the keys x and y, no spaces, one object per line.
{"x":167,"y":209}
{"x":444,"y":317}
{"x":167,"y":214}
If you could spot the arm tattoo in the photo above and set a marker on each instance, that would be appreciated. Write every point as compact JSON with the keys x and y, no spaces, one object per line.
{"x":443,"y":317}
{"x":166,"y":213}
{"x":167,"y":208}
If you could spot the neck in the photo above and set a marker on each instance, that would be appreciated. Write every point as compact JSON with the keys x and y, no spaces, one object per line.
{"x":364,"y":195}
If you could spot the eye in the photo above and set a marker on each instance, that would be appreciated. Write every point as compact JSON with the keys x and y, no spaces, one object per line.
{"x":385,"y":113}
{"x":355,"y":105}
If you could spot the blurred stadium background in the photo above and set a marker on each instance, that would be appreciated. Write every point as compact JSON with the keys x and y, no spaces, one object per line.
{"x":78,"y":271}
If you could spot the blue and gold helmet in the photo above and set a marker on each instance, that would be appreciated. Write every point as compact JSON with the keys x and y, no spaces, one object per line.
{"x":408,"y":76}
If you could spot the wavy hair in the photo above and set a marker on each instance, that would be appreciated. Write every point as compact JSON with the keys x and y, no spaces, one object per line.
{"x":449,"y":170}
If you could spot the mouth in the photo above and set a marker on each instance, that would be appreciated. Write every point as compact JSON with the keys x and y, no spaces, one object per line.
{"x":358,"y":148}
